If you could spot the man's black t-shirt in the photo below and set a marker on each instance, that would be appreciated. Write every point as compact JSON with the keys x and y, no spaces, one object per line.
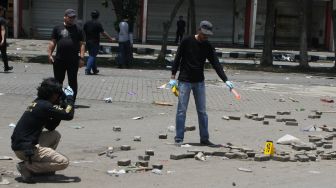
{"x":3,"y":22}
{"x":40,"y":114}
{"x":92,"y":30}
{"x":190,"y":58}
{"x":68,"y":40}
{"x":180,"y":26}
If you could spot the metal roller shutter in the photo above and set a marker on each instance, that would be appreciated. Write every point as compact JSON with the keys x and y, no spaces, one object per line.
{"x":47,"y":14}
{"x":218,"y":12}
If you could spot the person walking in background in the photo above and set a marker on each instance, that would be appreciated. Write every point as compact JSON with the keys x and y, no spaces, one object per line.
{"x":180,"y":25}
{"x":124,"y":45}
{"x":190,"y":59}
{"x":93,"y":29}
{"x":3,"y":42}
{"x":69,"y":39}
{"x":35,"y":147}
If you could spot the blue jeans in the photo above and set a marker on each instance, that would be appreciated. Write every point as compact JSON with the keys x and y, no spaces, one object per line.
{"x":93,"y":52}
{"x":198,"y":89}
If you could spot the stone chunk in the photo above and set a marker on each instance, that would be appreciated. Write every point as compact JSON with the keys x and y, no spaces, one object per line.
{"x":326,"y":156}
{"x":177,"y":156}
{"x":299,"y":147}
{"x":116,"y":128}
{"x":219,"y":153}
{"x":249,"y":116}
{"x":312,"y":157}
{"x":265,"y":122}
{"x":258,"y":118}
{"x":279,"y":120}
{"x":144,"y":157}
{"x":329,"y":137}
{"x":261,"y":157}
{"x":124,"y":162}
{"x":289,"y":119}
{"x":319,"y":144}
{"x":303,"y":158}
{"x":125,"y":148}
{"x":282,"y":158}
{"x":327,"y":146}
{"x":283,"y":113}
{"x":189,"y":155}
{"x":230,"y":155}
{"x":314,"y":138}
{"x":149,"y":152}
{"x":157,"y":166}
{"x":137,"y":139}
{"x":269,"y":116}
{"x":142,"y":163}
{"x":251,"y":153}
{"x":314,"y":116}
{"x":292,"y":123}
{"x":241,"y":155}
{"x":189,"y":128}
{"x":163,"y":136}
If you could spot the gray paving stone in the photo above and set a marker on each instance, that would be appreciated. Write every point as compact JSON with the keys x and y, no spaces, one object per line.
{"x":124,"y":162}
{"x":281,"y":158}
{"x":116,"y":128}
{"x":269,"y":116}
{"x":157,"y":166}
{"x":234,"y":117}
{"x":149,"y":152}
{"x":125,"y":147}
{"x":163,"y":136}
{"x":189,"y":128}
{"x":327,"y":146}
{"x":292,"y":123}
{"x":142,"y":163}
{"x":302,"y":158}
{"x":178,"y":156}
{"x":262,"y":157}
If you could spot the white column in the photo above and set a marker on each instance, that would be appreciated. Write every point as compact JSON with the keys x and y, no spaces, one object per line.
{"x":16,"y":18}
{"x":253,"y":22}
{"x":144,"y":21}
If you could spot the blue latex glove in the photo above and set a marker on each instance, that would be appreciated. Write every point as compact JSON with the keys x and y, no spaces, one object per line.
{"x":172,"y":82}
{"x":68,"y":91}
{"x":229,"y":84}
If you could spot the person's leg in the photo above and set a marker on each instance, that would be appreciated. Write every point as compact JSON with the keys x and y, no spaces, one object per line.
{"x":128,"y":54}
{"x":50,"y":139}
{"x":44,"y":160}
{"x":177,"y":37}
{"x":89,"y":63}
{"x":200,"y":101}
{"x":182,"y":106}
{"x":121,"y":54}
{"x":4,"y":57}
{"x":72,"y":71}
{"x":94,"y":54}
{"x":59,"y":68}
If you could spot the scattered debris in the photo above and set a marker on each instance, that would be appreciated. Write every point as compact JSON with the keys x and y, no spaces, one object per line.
{"x":327,"y":100}
{"x":12,"y":125}
{"x":292,"y":99}
{"x":77,"y":127}
{"x":5,"y":158}
{"x":138,"y":118}
{"x":244,"y":169}
{"x":200,"y":156}
{"x":157,"y":171}
{"x":171,"y":128}
{"x":162,"y":103}
{"x":108,"y":100}
{"x":288,"y":140}
{"x":116,"y":172}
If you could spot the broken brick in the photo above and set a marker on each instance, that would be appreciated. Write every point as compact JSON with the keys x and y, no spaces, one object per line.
{"x":124,"y":162}
{"x":261,"y":157}
{"x":292,"y":123}
{"x":125,"y":147}
{"x":144,"y":157}
{"x":149,"y":152}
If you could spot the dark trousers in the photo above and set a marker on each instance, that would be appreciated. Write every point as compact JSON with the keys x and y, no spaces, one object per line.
{"x":71,"y":68}
{"x":124,"y":53}
{"x":179,"y":36}
{"x":4,"y":57}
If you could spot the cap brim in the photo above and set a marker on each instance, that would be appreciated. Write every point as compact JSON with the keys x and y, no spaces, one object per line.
{"x":206,"y":32}
{"x":71,"y":15}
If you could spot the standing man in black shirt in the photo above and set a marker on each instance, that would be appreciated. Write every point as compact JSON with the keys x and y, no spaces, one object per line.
{"x":69,"y":40}
{"x":180,"y":24}
{"x":3,"y":42}
{"x":36,"y":147}
{"x":93,"y":29}
{"x":190,"y":59}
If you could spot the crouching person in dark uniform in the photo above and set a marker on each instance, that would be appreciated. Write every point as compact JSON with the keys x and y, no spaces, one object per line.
{"x":35,"y":146}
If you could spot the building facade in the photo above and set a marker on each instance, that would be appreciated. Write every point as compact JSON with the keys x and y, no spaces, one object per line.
{"x":236,"y":22}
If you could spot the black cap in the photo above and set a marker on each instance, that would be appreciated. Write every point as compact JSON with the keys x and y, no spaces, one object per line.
{"x":206,"y":27}
{"x":70,"y":13}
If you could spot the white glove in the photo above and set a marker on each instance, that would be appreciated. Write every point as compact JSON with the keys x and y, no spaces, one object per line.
{"x":68,"y":91}
{"x":172,"y":82}
{"x":229,"y":84}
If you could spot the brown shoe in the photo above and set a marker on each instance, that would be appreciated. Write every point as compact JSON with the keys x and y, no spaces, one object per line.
{"x":25,"y":173}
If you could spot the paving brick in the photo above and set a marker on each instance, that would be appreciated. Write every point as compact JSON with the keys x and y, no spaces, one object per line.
{"x":157,"y":166}
{"x":177,"y":156}
{"x":137,"y":138}
{"x":329,"y":137}
{"x":208,"y":153}
{"x":234,"y":117}
{"x":116,"y":128}
{"x":279,"y":120}
{"x":189,"y":128}
{"x":144,"y":157}
{"x":125,"y":148}
{"x":312,"y":157}
{"x":163,"y":136}
{"x":124,"y":162}
{"x":299,"y":147}
{"x":292,"y":123}
{"x":254,"y":114}
{"x":302,"y":158}
{"x":189,"y":155}
{"x":319,"y":144}
{"x":241,"y":155}
{"x":141,"y":163}
{"x":289,"y":119}
{"x":314,"y":138}
{"x":230,"y":155}
{"x":219,"y":153}
{"x":149,"y":152}
{"x":326,"y":156}
{"x":314,"y":116}
{"x":265,"y":122}
{"x":249,"y":116}
{"x":258,"y":118}
{"x":283,"y":113}
{"x":262,"y":157}
{"x":327,"y":146}
{"x":269,"y":116}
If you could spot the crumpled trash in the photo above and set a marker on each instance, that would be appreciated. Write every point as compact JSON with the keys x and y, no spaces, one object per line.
{"x":138,"y":117}
{"x":77,"y":127}
{"x":312,"y":129}
{"x":171,"y":129}
{"x":131,"y":93}
{"x":5,"y":158}
{"x":116,"y":172}
{"x":108,"y":100}
{"x":288,"y":140}
{"x":12,"y":125}
{"x":185,"y":146}
{"x":3,"y":181}
{"x":157,"y":171}
{"x":200,"y":156}
{"x":244,"y":169}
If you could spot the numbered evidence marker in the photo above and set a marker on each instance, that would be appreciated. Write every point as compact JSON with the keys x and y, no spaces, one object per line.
{"x":269,"y":148}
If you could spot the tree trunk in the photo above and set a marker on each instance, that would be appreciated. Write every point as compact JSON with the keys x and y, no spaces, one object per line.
{"x":166,"y":27}
{"x":303,"y":38}
{"x":192,"y":17}
{"x":267,"y":57}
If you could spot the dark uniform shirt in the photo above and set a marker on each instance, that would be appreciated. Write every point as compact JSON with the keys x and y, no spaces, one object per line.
{"x":38,"y":115}
{"x":68,"y":40}
{"x":180,"y":26}
{"x":92,"y":30}
{"x":190,"y":58}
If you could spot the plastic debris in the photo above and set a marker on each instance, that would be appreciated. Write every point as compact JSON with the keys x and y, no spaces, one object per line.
{"x":137,"y":118}
{"x":77,"y":127}
{"x":244,"y":169}
{"x":131,"y":93}
{"x":288,"y":140}
{"x":3,"y":181}
{"x":164,"y":86}
{"x":200,"y":156}
{"x":108,"y":100}
{"x":5,"y":158}
{"x":12,"y":125}
{"x":314,"y":172}
{"x":171,"y":129}
{"x":312,"y":129}
{"x":157,"y":171}
{"x":78,"y":162}
{"x":162,"y":103}
{"x":116,"y":172}
{"x":185,"y":146}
